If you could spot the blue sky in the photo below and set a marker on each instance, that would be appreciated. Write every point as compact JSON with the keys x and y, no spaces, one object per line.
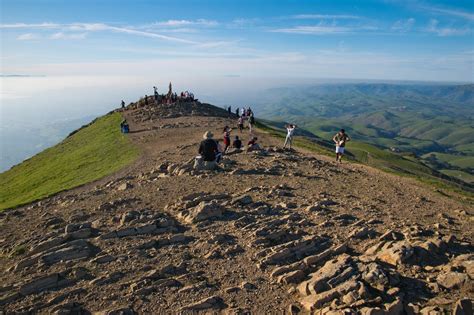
{"x":388,"y":40}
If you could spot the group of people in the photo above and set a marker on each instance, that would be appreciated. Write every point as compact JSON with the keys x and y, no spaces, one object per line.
{"x":211,"y":152}
{"x":168,"y":98}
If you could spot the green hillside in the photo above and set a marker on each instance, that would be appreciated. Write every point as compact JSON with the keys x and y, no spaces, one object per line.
{"x":92,"y":152}
{"x":365,"y":153}
{"x":433,"y":122}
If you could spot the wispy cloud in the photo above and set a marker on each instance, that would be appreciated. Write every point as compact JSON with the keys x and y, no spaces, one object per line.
{"x":28,"y":36}
{"x":325,"y":29}
{"x":179,"y":23}
{"x":462,"y":14}
{"x":433,"y":27}
{"x":404,"y":25}
{"x":314,"y":30}
{"x":324,"y":16}
{"x":29,"y":26}
{"x":95,"y":27}
{"x":73,"y":36}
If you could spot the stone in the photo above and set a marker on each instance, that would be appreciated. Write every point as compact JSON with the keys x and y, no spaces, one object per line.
{"x":213,"y":302}
{"x":360,"y":233}
{"x":202,"y":212}
{"x":395,"y":253}
{"x":103,"y":259}
{"x":247,"y":286}
{"x":40,"y":284}
{"x":242,"y":200}
{"x":78,"y":249}
{"x":317,"y":300}
{"x":125,"y":186}
{"x":292,"y":277}
{"x":128,"y":216}
{"x":452,"y":280}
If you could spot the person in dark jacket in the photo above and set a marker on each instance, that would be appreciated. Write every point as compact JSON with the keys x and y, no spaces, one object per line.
{"x":237,"y":144}
{"x":208,"y":147}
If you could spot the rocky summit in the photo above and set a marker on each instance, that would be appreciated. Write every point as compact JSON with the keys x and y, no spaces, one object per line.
{"x":270,"y":231}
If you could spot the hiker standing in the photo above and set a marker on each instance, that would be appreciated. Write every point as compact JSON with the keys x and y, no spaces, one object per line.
{"x":155,"y":92}
{"x":123,"y":104}
{"x":340,"y":140}
{"x":227,"y":131}
{"x":251,"y":122}
{"x":229,"y":110}
{"x":237,"y":111}
{"x":240,"y":123}
{"x":289,"y":136}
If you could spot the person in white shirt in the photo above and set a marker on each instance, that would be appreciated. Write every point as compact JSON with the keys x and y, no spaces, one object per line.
{"x":289,"y":136}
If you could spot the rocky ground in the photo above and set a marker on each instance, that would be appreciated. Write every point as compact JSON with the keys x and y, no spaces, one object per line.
{"x":271,"y":232}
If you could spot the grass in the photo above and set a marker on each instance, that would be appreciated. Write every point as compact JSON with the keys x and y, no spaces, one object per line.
{"x":91,"y":153}
{"x":468,"y":178}
{"x":360,"y":152}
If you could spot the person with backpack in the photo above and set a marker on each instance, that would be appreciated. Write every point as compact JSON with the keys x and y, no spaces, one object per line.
{"x":289,"y":136}
{"x":340,"y":140}
{"x":123,"y":104}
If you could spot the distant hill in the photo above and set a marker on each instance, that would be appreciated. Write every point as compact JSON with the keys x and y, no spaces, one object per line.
{"x":413,"y":119}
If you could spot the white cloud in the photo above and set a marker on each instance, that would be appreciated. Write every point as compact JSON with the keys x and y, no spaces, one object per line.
{"x":315,"y":30}
{"x":322,"y":29}
{"x":403,"y":25}
{"x":433,"y":27}
{"x":179,"y":23}
{"x":324,"y":16}
{"x":61,"y":35}
{"x":28,"y":36}
{"x":462,"y":14}
{"x":96,"y":27}
{"x":30,"y":26}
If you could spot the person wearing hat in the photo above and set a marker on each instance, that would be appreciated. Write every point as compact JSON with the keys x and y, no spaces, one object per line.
{"x":208,"y":147}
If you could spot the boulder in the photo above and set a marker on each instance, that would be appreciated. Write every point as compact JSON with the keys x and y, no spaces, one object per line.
{"x":202,"y":212}
{"x":395,"y":253}
{"x":452,"y":280}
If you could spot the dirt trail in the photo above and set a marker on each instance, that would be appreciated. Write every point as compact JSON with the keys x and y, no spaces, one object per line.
{"x":271,"y":232}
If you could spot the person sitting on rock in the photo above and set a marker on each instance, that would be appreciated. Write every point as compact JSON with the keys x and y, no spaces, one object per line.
{"x":208,"y":150}
{"x":237,"y":144}
{"x":252,"y":145}
{"x":124,"y":128}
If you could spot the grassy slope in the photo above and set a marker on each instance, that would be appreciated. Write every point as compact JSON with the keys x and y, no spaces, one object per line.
{"x":381,"y":159}
{"x":91,"y":153}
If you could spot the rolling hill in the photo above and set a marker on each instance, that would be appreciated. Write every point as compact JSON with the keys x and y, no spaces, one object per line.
{"x":404,"y":118}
